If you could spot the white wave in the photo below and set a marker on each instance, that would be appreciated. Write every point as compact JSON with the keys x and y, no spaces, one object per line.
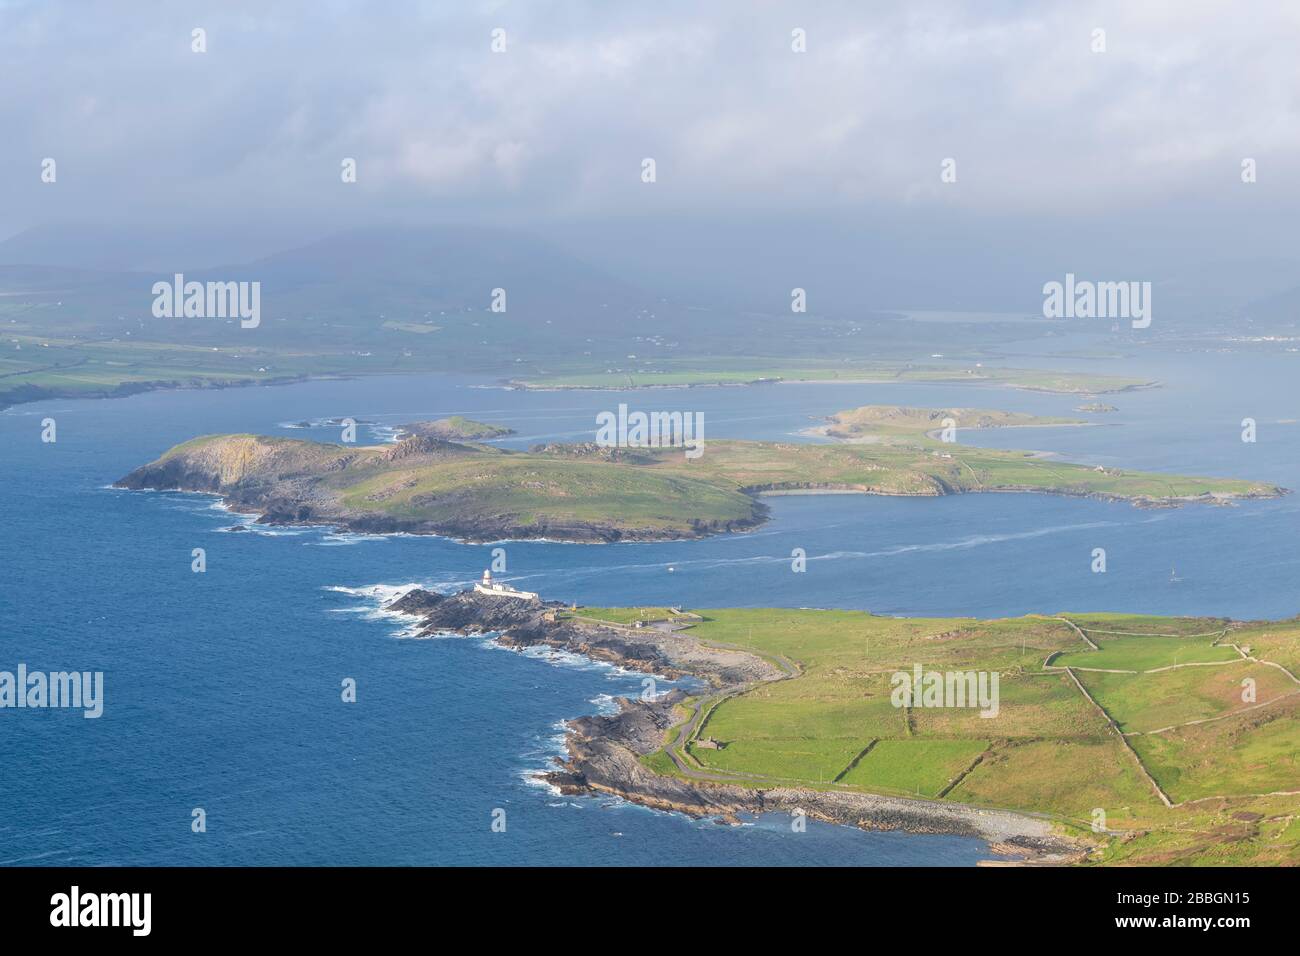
{"x":973,"y":541}
{"x":242,"y":523}
{"x":563,"y":658}
{"x":606,"y":705}
{"x":376,"y":598}
{"x":383,"y":593}
{"x":331,"y":421}
{"x":702,"y":564}
{"x":543,"y":759}
{"x":342,"y":539}
{"x":533,"y":777}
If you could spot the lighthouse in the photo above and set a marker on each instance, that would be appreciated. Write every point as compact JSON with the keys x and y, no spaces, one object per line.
{"x":497,"y":589}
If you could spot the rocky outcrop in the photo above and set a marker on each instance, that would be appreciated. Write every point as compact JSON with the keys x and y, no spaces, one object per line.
{"x":424,"y":446}
{"x":519,"y":622}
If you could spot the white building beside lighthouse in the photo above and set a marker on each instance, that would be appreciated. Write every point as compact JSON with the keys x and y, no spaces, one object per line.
{"x":497,"y":589}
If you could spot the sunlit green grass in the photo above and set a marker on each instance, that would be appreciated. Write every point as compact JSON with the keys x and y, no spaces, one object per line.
{"x":1145,"y":653}
{"x":922,"y":767}
{"x":1147,"y":702}
{"x":1048,"y":750}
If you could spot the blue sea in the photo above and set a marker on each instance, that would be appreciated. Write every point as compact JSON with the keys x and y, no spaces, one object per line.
{"x":222,"y":689}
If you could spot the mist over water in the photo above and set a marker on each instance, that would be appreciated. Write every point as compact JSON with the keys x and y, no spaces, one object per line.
{"x":222,"y":689}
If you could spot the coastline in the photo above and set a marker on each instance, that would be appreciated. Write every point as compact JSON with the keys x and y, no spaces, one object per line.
{"x":273,"y":510}
{"x":1221,"y":499}
{"x":381,"y":527}
{"x":520,"y":385}
{"x":605,"y":751}
{"x":27,"y":394}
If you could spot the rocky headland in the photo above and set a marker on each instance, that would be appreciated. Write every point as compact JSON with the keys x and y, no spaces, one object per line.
{"x":605,"y":751}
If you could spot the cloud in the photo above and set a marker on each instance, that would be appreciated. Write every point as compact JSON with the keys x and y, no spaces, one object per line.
{"x":559,"y":123}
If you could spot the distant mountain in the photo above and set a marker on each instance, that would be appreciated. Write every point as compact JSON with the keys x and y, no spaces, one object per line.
{"x":349,"y":289}
{"x":1281,"y":310}
{"x":412,"y":273}
{"x":1224,"y":293}
{"x":122,"y":248}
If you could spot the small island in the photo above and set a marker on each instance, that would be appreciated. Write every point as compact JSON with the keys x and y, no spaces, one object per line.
{"x":585,"y":492}
{"x":455,"y":428}
{"x":796,"y":711}
{"x":898,"y":424}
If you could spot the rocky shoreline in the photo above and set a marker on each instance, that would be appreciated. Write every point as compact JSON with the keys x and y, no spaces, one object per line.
{"x":483,"y":531}
{"x":604,"y":751}
{"x":290,"y":511}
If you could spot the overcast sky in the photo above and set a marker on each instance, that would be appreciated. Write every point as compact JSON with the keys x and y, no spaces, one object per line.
{"x":1147,"y":137}
{"x":559,"y":123}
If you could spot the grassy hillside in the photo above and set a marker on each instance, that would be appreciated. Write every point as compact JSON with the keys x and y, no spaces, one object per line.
{"x":1230,"y":768}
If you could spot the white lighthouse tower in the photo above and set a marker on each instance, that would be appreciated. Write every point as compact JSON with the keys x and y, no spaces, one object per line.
{"x":497,"y":589}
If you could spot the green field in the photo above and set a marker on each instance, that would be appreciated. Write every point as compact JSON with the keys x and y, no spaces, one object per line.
{"x":1257,"y":751}
{"x":924,"y":768}
{"x":1105,"y":626}
{"x":1278,"y":642}
{"x":1049,"y":749}
{"x":1070,"y":776}
{"x":33,"y":368}
{"x":1145,"y":653}
{"x":1142,"y":703}
{"x":626,"y":615}
{"x":791,"y":760}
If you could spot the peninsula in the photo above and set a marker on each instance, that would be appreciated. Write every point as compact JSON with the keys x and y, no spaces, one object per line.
{"x":678,"y":375}
{"x":1113,"y":739}
{"x":425,"y":484}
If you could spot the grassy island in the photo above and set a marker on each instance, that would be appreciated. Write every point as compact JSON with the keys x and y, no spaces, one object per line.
{"x":456,"y":428}
{"x":585,"y":492}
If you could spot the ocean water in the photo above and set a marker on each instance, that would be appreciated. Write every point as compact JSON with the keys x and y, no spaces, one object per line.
{"x":222,"y":689}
